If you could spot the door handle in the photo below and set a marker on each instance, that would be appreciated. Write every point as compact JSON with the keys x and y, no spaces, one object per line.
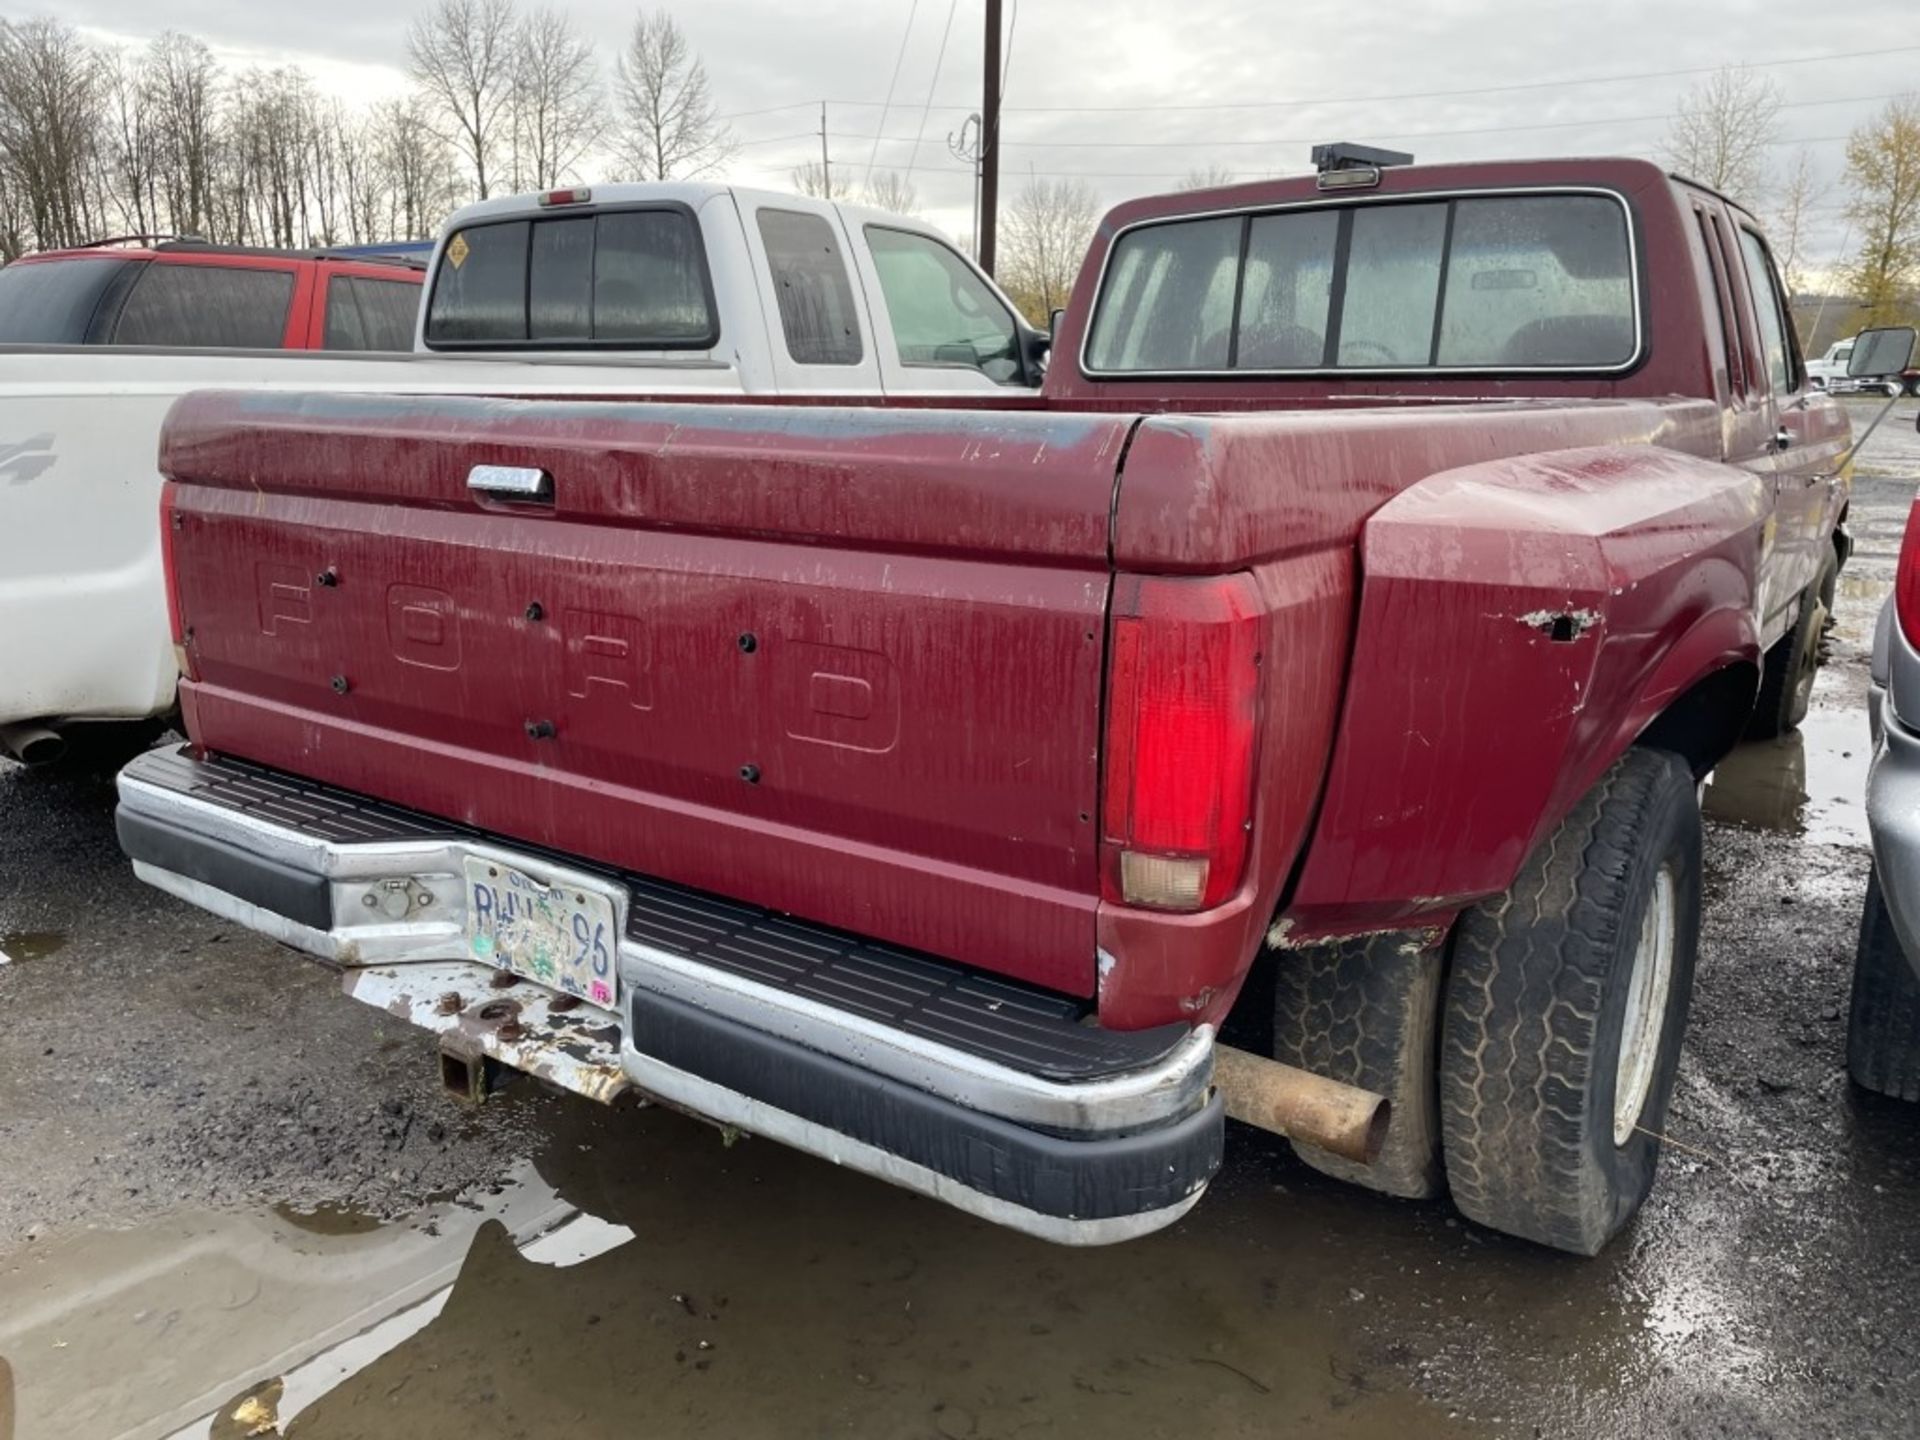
{"x":1783,"y":439}
{"x":524,"y":483}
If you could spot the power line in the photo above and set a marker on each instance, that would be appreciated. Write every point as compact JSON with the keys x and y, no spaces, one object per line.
{"x":938,"y":60}
{"x":1511,"y":88}
{"x":1274,"y":142}
{"x":881,"y":124}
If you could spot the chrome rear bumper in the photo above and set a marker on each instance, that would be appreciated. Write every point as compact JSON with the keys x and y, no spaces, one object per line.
{"x":996,"y":1099}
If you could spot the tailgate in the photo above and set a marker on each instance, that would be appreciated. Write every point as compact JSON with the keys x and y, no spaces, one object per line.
{"x":842,"y":662}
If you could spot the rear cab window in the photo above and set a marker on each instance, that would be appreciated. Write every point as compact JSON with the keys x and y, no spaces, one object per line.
{"x":632,"y":279}
{"x":55,"y":302}
{"x":201,"y":306}
{"x":1515,"y":282}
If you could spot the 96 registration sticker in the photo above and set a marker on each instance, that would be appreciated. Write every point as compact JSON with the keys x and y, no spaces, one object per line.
{"x":552,"y":934}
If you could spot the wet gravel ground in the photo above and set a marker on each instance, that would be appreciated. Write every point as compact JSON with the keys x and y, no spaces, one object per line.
{"x":153,"y":1057}
{"x":155,"y":1062}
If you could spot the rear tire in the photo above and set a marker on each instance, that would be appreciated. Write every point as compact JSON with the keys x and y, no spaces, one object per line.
{"x":1365,"y":1012}
{"x":1547,"y":1133}
{"x":1790,"y":668}
{"x":1883,"y":1020}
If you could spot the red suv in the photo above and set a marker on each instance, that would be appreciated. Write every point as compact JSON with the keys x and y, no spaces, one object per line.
{"x":189,"y":294}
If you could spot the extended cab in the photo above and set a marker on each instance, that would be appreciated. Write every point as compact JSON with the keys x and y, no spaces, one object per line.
{"x":697,"y":288}
{"x":1388,"y":556}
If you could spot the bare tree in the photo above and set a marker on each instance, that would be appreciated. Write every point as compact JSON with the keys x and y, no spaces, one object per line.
{"x":1044,"y":238}
{"x":182,"y":90}
{"x":1720,"y":135}
{"x":559,"y":111}
{"x":1211,"y":178}
{"x":50,"y":124}
{"x":670,"y":128}
{"x":131,"y":144}
{"x":420,"y":183}
{"x":1799,"y":191}
{"x":461,"y":54}
{"x":892,"y":191}
{"x":1883,"y":171}
{"x":817,"y":180}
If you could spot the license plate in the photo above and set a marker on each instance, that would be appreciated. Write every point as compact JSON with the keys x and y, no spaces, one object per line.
{"x":553,"y":934}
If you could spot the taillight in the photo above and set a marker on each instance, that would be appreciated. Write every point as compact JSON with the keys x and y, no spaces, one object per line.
{"x":1906,"y":584}
{"x":171,"y":519}
{"x":1183,"y":701}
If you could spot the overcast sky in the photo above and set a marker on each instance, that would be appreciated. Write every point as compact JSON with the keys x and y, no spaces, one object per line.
{"x":1283,"y":74}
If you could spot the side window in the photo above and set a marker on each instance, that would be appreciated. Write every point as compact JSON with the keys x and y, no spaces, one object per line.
{"x":368,"y":314}
{"x":1766,"y":304}
{"x":344,"y":330}
{"x":210,"y":306}
{"x":942,"y":312}
{"x":389,"y":309}
{"x":811,"y":285}
{"x":1729,"y":328}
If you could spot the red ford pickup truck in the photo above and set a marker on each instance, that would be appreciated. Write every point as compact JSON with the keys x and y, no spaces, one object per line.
{"x":1389,"y":555}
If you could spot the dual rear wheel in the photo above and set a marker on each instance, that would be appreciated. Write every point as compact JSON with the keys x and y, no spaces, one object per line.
{"x":1559,"y":1008}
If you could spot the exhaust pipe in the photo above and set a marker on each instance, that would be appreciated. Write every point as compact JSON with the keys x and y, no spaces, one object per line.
{"x":32,"y":744}
{"x":1340,"y":1119}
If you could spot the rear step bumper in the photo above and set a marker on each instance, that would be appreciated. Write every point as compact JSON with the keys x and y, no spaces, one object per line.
{"x":994,"y":1097}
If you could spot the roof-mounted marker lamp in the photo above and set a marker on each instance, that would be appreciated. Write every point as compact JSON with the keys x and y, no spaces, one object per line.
{"x":579,"y":195}
{"x":1345,"y":166}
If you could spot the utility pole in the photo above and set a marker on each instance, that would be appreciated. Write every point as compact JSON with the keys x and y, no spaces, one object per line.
{"x":826,"y":167}
{"x":990,"y":140}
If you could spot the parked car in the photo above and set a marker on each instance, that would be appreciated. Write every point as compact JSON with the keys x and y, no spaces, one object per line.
{"x":696,"y":288}
{"x":1364,"y":596}
{"x":1883,"y":1022}
{"x":188,"y":294}
{"x":1829,"y":372}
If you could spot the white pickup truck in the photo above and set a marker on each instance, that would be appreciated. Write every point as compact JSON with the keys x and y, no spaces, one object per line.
{"x":654,"y":289}
{"x":1829,"y":372}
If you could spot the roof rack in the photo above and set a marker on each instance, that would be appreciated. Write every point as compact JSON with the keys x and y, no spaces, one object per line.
{"x":146,"y":240}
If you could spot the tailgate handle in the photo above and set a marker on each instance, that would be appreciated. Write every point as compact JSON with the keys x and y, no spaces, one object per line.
{"x":512,"y":482}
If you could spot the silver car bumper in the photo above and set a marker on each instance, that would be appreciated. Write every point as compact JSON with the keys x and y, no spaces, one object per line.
{"x":381,"y":893}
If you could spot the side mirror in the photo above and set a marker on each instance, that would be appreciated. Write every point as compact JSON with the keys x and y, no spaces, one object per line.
{"x":1881,"y":354}
{"x":1036,"y":348}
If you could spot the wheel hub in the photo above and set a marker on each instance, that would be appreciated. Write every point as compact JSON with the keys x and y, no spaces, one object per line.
{"x":1648,"y":986}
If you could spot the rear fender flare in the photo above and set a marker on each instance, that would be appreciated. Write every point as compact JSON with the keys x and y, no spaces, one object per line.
{"x":1521,"y":622}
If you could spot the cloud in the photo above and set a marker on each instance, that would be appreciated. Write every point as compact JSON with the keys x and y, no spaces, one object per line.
{"x":1304,"y":71}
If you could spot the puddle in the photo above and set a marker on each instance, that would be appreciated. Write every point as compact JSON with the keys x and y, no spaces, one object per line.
{"x":142,"y":1334}
{"x":1812,"y":782}
{"x":642,"y":1278}
{"x":328,"y":1219}
{"x":767,"y":1294}
{"x":17,"y":945}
